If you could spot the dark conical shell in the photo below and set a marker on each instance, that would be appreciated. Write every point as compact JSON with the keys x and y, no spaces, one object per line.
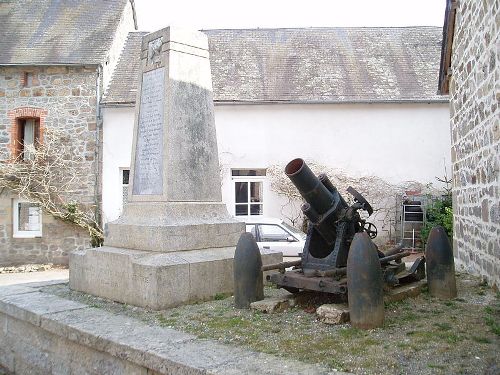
{"x":440,"y":265}
{"x":364,"y":284}
{"x":248,"y":282}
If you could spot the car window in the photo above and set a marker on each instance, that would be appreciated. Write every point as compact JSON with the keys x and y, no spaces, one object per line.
{"x":294,"y":230}
{"x":272,"y":233}
{"x":251,"y":229}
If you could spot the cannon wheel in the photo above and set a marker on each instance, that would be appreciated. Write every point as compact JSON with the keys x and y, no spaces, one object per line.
{"x":360,"y":199}
{"x":370,"y":229}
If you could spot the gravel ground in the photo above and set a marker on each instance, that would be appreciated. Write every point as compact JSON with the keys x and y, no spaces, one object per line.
{"x":25,"y":268}
{"x":422,"y":335}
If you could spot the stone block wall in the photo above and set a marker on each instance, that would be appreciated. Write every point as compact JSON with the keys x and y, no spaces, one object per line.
{"x":475,"y":131}
{"x":63,"y":98}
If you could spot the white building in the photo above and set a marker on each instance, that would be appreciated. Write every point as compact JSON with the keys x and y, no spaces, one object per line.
{"x":362,"y":100}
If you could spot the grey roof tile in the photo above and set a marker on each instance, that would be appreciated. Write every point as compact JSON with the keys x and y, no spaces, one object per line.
{"x":310,"y":65}
{"x":57,"y":31}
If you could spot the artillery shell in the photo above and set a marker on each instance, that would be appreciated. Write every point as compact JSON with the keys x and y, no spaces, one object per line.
{"x":364,"y":284}
{"x":248,"y":282}
{"x":440,"y":265}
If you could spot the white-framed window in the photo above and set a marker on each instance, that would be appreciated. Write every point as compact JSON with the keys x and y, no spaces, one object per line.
{"x":248,"y":191}
{"x":27,"y":219}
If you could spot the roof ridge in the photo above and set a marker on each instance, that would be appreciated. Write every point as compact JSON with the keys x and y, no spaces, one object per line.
{"x":326,"y":28}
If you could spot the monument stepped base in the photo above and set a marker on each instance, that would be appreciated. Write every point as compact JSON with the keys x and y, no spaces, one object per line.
{"x":155,"y":280}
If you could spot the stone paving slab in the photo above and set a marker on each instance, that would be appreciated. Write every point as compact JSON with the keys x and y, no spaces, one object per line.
{"x":31,"y":306}
{"x":15,"y":290}
{"x":163,"y":350}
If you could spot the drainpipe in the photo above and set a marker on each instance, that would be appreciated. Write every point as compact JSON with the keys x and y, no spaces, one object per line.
{"x":97,"y":151}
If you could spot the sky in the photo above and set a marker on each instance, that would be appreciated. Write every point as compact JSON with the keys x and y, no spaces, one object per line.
{"x":236,"y":14}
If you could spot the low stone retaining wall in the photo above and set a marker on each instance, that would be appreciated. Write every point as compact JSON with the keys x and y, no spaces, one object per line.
{"x":45,"y":334}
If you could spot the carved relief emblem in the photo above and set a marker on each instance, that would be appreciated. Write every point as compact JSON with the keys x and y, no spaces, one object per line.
{"x":154,"y":51}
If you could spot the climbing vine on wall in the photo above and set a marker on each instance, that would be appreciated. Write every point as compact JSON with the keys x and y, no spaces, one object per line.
{"x":51,"y":177}
{"x":377,"y":191}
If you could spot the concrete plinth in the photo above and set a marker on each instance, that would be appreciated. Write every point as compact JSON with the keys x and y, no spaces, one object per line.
{"x":173,"y":226}
{"x":155,"y":280}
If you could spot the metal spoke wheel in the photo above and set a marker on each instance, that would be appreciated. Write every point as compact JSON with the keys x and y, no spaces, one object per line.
{"x":371,"y":230}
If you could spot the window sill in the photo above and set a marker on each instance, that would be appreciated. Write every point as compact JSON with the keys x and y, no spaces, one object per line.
{"x":21,"y":235}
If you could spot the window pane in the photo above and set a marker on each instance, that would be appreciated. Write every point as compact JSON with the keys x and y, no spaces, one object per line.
{"x":251,"y":229}
{"x":272,"y":233}
{"x":256,"y":209}
{"x":248,"y":172}
{"x":125,"y":176}
{"x":241,"y":209}
{"x":241,"y":192}
{"x":29,"y":216}
{"x":28,"y":138}
{"x":256,"y":191}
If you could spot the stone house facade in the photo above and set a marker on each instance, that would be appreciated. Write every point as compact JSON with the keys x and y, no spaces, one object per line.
{"x":46,"y":85}
{"x":470,"y":70}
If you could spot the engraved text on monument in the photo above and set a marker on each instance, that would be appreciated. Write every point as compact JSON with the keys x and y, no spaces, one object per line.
{"x":148,"y":172}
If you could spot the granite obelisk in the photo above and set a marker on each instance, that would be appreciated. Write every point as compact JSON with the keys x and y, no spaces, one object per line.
{"x":175,"y":240}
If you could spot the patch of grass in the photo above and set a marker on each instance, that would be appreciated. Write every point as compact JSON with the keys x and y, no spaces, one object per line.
{"x":409,"y":317}
{"x":396,"y":304}
{"x":492,"y":318}
{"x":437,"y":312}
{"x":435,"y":336}
{"x":493,"y":325}
{"x":351,"y":332}
{"x":228,"y":323}
{"x":450,"y":303}
{"x":481,"y":340}
{"x":221,"y":296}
{"x":164,"y":321}
{"x":443,"y":326}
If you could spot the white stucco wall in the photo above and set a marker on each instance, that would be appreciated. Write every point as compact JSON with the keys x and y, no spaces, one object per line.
{"x":118,"y":126}
{"x":397,"y":142}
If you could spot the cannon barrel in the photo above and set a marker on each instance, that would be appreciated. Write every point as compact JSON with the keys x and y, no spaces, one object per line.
{"x":310,"y":187}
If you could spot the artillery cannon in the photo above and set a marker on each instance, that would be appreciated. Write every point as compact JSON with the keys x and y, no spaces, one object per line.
{"x":339,"y":256}
{"x":333,"y":223}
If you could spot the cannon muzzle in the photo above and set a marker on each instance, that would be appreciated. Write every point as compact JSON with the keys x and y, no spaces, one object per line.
{"x":310,"y":187}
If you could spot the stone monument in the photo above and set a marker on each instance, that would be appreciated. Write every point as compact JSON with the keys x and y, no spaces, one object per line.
{"x":175,"y":240}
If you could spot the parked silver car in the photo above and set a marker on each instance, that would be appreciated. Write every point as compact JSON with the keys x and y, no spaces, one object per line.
{"x":275,"y":234}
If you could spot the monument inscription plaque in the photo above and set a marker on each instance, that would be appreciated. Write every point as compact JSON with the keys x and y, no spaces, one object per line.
{"x":148,"y":174}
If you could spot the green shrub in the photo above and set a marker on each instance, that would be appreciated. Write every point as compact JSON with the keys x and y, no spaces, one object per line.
{"x":439,"y":212}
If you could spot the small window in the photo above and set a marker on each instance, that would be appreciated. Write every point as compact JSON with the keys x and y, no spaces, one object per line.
{"x":273,"y":233}
{"x":125,"y":182}
{"x":28,"y":137}
{"x":28,"y":79}
{"x":27,"y":219}
{"x":248,"y":198}
{"x":248,"y":191}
